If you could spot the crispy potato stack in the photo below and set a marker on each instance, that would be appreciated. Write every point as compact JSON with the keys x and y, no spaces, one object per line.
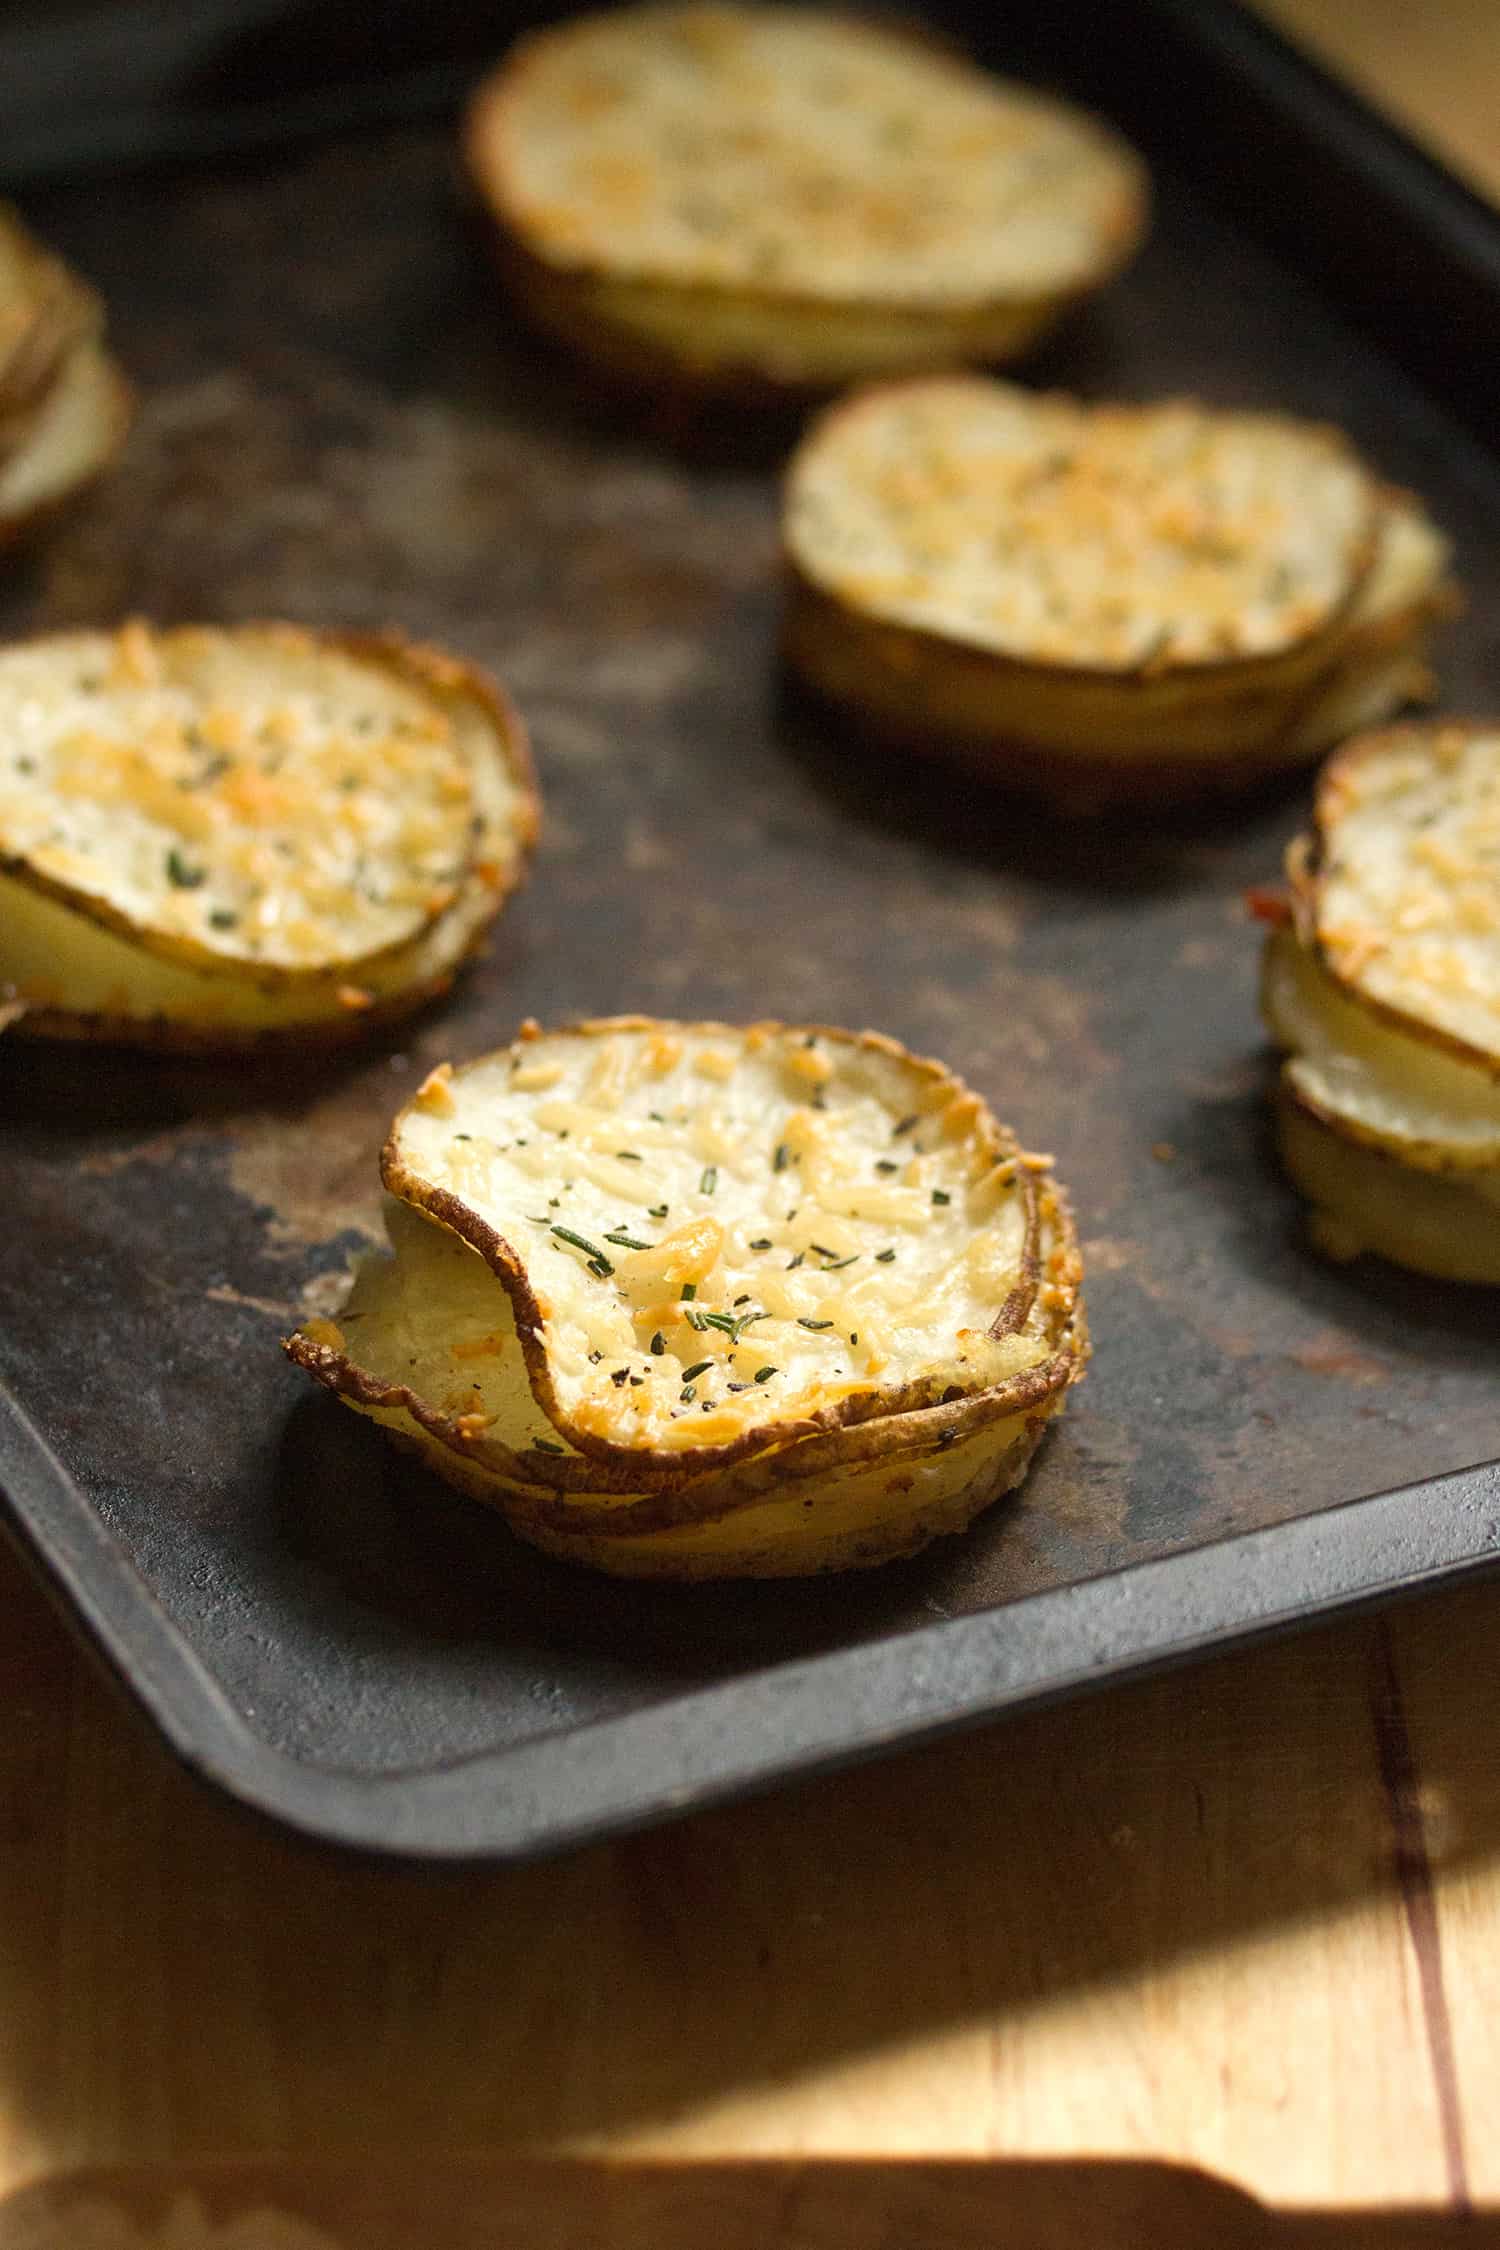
{"x":1382,"y":984}
{"x":689,"y":1301}
{"x":215,"y":836}
{"x":781,"y":199}
{"x":1101,"y":604}
{"x":64,"y":405}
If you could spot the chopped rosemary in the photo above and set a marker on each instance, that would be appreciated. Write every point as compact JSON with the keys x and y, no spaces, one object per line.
{"x":710,"y":1180}
{"x":854,"y":1336}
{"x":793,"y":1263}
{"x":761,"y":1242}
{"x":906,"y":1125}
{"x":626,"y":1241}
{"x":182,"y":873}
{"x":729,"y":1324}
{"x":225,"y":918}
{"x":581,"y":1242}
{"x":689,"y":1291}
{"x":657,"y":1211}
{"x":628,"y":1155}
{"x":886,"y":1164}
{"x":821,"y":1250}
{"x":546,"y":1445}
{"x":782,"y":1158}
{"x":700,"y":1367}
{"x":837,"y":1265}
{"x":689,"y":1395}
{"x":697,"y":1321}
{"x":743,"y":1300}
{"x":885,"y":1257}
{"x":658,"y":1343}
{"x":814,"y":1323}
{"x":941,"y":1195}
{"x":618,"y":1376}
{"x":764,"y":1374}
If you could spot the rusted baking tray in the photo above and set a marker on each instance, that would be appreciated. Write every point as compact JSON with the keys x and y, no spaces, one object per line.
{"x":340,"y":424}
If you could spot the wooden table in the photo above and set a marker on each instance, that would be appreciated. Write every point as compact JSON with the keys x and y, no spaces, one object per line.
{"x":1246,"y":1917}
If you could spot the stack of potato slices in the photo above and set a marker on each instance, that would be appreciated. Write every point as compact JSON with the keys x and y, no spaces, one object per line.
{"x":1102,"y":603}
{"x":784,"y":198}
{"x":212,"y":836}
{"x":691,"y":1301}
{"x":64,"y":406}
{"x":1382,"y":983}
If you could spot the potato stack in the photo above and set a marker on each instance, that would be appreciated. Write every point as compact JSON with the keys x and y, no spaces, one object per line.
{"x":215,"y":836}
{"x":757,"y":202}
{"x":64,"y":405}
{"x":1102,"y":604}
{"x":1382,"y":984}
{"x":690,"y":1301}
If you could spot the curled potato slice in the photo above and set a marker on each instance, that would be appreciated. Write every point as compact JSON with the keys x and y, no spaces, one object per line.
{"x":426,"y":1346}
{"x":719,"y":1238}
{"x":188,"y":927}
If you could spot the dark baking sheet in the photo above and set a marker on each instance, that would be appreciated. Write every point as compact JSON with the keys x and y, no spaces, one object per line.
{"x":339,"y":423}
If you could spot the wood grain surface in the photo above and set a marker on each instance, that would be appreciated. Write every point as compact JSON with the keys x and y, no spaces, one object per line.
{"x":1245,"y":1918}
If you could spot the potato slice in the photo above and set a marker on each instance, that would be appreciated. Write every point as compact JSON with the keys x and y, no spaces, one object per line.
{"x":1099,"y":601}
{"x":1399,"y":888}
{"x":1366,"y":1200}
{"x":79,"y":977}
{"x":1369,"y":1080}
{"x":775,"y":1231}
{"x":64,"y":442}
{"x":1382,"y":983}
{"x":855,"y":1515}
{"x":786,"y":197}
{"x":426,"y":1346}
{"x":45,"y":312}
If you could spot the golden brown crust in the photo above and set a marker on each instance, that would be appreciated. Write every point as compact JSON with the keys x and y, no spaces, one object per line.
{"x":662,"y":1464}
{"x":575,"y":1493}
{"x":573,"y":310}
{"x":421,"y":664}
{"x":648,"y":1558}
{"x":1306,"y":861}
{"x":844,"y":658}
{"x":568,"y":298}
{"x":997,"y":666}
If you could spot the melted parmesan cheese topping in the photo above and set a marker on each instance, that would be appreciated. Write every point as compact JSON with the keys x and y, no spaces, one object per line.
{"x":250,"y":796}
{"x":1409,"y":897}
{"x":791,"y":151}
{"x":726,"y":1228}
{"x":58,"y":960}
{"x":1112,"y":537}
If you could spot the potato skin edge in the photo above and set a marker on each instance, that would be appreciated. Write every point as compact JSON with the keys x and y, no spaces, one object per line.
{"x":676,"y":1464}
